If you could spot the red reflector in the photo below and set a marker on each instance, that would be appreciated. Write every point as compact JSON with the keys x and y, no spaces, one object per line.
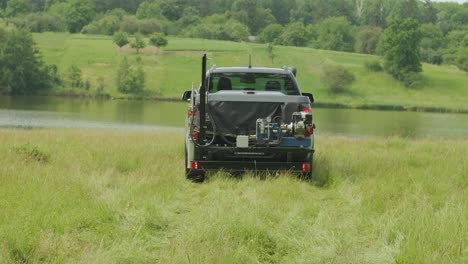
{"x":306,"y":109}
{"x":194,"y":165}
{"x":305,"y":167}
{"x":195,"y":135}
{"x":309,"y":131}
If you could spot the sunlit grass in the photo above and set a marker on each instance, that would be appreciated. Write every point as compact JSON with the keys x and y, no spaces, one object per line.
{"x":91,"y":196}
{"x":175,"y":67}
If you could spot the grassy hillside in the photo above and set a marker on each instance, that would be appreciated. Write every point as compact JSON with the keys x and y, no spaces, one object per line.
{"x":113,"y":197}
{"x":173,"y":70}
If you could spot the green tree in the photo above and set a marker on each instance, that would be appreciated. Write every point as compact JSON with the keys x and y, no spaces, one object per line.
{"x":323,"y":9}
{"x":158,"y":40}
{"x":79,"y":13}
{"x":122,"y":75}
{"x":294,"y":34}
{"x":367,"y":40}
{"x":400,"y":47}
{"x":120,"y":39}
{"x":302,"y":13}
{"x":138,"y":43}
{"x":375,"y":13}
{"x":403,"y":9}
{"x":252,"y":14}
{"x":271,"y":33}
{"x":131,"y":79}
{"x":149,"y":9}
{"x":335,"y":33}
{"x":236,"y":31}
{"x":21,"y":67}
{"x":428,"y":13}
{"x":457,"y":50}
{"x":16,"y":7}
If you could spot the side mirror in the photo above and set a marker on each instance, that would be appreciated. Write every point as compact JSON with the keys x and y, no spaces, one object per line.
{"x":311,"y":97}
{"x":187,"y":95}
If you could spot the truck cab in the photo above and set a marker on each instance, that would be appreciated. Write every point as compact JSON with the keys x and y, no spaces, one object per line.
{"x":248,"y":119}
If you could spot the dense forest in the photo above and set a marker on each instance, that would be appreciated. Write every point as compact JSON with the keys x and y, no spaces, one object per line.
{"x":343,"y":25}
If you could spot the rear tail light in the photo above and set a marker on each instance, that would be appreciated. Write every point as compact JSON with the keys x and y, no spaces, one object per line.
{"x":306,"y":167}
{"x":194,"y":165}
{"x":306,"y":109}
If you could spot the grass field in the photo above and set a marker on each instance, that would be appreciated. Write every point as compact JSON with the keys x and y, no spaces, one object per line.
{"x":174,"y":69}
{"x":85,"y":196}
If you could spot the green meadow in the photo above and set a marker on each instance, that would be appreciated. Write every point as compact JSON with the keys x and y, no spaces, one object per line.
{"x":172,"y":70}
{"x":95,"y":196}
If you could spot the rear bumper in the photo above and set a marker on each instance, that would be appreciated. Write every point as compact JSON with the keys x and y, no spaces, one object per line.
{"x":255,"y":166}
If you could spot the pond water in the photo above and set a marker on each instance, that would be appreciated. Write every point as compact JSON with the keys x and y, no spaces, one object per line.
{"x":37,"y":112}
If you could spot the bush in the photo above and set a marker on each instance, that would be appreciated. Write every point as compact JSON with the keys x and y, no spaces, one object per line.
{"x":130,"y":79}
{"x":129,"y":24}
{"x":229,"y":30}
{"x":74,"y":77}
{"x":158,"y":40}
{"x":294,"y":34}
{"x":367,"y":40}
{"x":271,"y":33}
{"x":411,"y":79}
{"x":431,"y":56}
{"x":336,"y":78}
{"x":107,"y":25}
{"x":120,"y":39}
{"x":149,"y":26}
{"x":373,"y":66}
{"x":40,"y":22}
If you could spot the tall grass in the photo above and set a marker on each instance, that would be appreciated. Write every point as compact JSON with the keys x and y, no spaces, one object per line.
{"x":174,"y":69}
{"x":110,"y":197}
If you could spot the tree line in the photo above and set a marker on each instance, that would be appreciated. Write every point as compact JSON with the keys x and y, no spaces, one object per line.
{"x":343,"y":25}
{"x":404,"y":32}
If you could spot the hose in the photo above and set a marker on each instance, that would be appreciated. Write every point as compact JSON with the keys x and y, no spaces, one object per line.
{"x":191,"y":131}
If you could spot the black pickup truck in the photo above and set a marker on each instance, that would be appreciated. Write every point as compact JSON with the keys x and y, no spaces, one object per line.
{"x":248,"y":119}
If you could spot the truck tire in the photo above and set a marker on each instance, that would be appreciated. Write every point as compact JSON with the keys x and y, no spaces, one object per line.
{"x":197,"y":176}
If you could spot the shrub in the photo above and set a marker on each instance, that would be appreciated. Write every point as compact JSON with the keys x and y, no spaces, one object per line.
{"x":158,"y":40}
{"x":32,"y":152}
{"x":149,"y":26}
{"x":373,"y":66}
{"x":367,"y":40}
{"x":336,"y":78}
{"x":271,"y":33}
{"x":120,"y":39}
{"x":431,"y":56}
{"x":138,"y":43}
{"x":411,"y":79}
{"x":130,"y":79}
{"x":74,"y":77}
{"x":129,"y":24}
{"x":40,"y":22}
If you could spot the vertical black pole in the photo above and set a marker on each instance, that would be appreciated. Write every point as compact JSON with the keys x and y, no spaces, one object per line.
{"x":201,"y":138}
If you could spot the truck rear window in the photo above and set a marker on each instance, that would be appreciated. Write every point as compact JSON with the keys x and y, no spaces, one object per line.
{"x":252,"y":82}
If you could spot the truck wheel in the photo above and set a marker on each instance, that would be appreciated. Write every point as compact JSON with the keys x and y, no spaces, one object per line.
{"x":193,"y":175}
{"x":196,"y":176}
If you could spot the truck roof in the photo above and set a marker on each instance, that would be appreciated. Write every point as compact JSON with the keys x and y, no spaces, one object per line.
{"x":252,"y":70}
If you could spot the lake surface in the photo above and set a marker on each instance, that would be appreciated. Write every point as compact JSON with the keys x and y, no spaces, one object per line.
{"x":38,"y":112}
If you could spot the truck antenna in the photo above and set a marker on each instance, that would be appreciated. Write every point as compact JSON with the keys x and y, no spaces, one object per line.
{"x":250,"y":61}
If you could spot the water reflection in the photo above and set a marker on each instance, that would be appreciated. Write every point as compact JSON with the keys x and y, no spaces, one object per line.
{"x":75,"y":112}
